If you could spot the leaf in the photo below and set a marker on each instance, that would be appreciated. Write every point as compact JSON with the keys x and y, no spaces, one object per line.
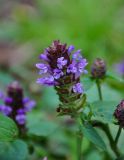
{"x":91,"y":134}
{"x":92,"y":94}
{"x":87,"y":82}
{"x":8,"y":129}
{"x":103,"y":110}
{"x":42,"y":128}
{"x":16,"y":150}
{"x":114,"y":76}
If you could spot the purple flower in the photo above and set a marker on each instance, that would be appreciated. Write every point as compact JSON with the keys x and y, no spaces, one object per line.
{"x":8,"y":100}
{"x":47,"y":81}
{"x":30,"y":105}
{"x":6,"y":110}
{"x":21,"y":119}
{"x":70,"y":48}
{"x":61,"y":62}
{"x":43,"y":56}
{"x":57,"y":73}
{"x":72,"y":68}
{"x":77,"y":55}
{"x":65,"y":69}
{"x":120,"y":68}
{"x":81,"y":65}
{"x":77,"y":88}
{"x":43,"y":68}
{"x":1,"y":95}
{"x":15,"y":105}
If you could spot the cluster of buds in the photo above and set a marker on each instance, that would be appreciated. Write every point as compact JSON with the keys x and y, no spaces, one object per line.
{"x":61,"y":67}
{"x":98,"y":69}
{"x":119,"y":113}
{"x":15,"y":105}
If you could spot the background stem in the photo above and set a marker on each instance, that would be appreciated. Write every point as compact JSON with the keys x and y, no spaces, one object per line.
{"x":79,"y":146}
{"x":99,"y":89}
{"x":118,"y":135}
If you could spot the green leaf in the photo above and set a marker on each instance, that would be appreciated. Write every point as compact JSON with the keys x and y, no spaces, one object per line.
{"x":114,"y":76}
{"x":91,"y":134}
{"x":16,"y":150}
{"x":87,"y":82}
{"x":103,"y":110}
{"x":42,"y":128}
{"x":8,"y":129}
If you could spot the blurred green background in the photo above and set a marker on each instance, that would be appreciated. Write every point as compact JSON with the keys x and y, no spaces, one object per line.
{"x":29,"y":26}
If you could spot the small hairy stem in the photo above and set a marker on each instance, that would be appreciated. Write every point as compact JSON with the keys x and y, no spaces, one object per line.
{"x":118,"y":135}
{"x":79,"y":145}
{"x":99,"y":89}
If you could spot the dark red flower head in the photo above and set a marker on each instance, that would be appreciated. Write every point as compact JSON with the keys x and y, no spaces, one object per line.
{"x":98,"y":69}
{"x":119,"y":113}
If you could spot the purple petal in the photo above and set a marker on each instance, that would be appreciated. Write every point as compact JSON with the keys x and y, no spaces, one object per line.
{"x":46,"y":81}
{"x":6,"y":110}
{"x":43,"y":67}
{"x":8,"y":100}
{"x":70,"y":48}
{"x":57,"y":73}
{"x":30,"y":105}
{"x":61,"y":62}
{"x":77,"y":55}
{"x":1,"y":95}
{"x":21,"y":119}
{"x":77,"y":88}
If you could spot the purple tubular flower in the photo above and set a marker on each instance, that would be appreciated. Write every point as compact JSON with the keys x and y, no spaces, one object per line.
{"x":43,"y":56}
{"x":77,"y":55}
{"x":61,"y":62}
{"x":72,"y":68}
{"x":8,"y":100}
{"x":6,"y":110}
{"x":57,"y":73}
{"x":120,"y":68}
{"x":30,"y":105}
{"x":77,"y":88}
{"x":43,"y":68}
{"x":46,"y":81}
{"x":70,"y":48}
{"x":21,"y":119}
{"x":81,"y":65}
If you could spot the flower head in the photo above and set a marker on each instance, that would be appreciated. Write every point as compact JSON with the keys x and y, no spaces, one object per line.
{"x":98,"y":69}
{"x":119,"y":113}
{"x":15,"y":105}
{"x":62,"y":68}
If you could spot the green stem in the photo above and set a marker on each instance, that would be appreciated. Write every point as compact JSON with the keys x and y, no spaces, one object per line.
{"x":118,"y":135}
{"x":79,"y":144}
{"x":106,"y":129}
{"x":99,"y":89}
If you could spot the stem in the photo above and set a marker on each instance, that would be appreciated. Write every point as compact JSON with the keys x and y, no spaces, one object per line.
{"x":79,"y":144}
{"x":99,"y":89}
{"x":106,"y":129}
{"x":118,"y":135}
